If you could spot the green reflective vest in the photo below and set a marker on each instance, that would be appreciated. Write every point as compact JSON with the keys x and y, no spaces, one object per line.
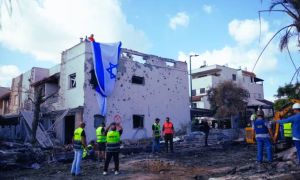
{"x":89,"y":147}
{"x":156,"y":130}
{"x":287,"y":129}
{"x":113,"y":141}
{"x":77,"y":138}
{"x":100,"y":138}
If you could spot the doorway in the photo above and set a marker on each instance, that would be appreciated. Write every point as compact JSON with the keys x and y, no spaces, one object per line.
{"x":69,"y":128}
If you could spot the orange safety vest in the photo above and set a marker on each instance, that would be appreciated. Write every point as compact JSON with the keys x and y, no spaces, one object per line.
{"x":168,"y":128}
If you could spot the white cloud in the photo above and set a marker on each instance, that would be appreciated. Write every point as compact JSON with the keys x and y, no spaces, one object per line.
{"x":7,"y":72}
{"x":207,"y":8}
{"x":246,"y":31}
{"x":239,"y":55}
{"x":48,"y":30}
{"x":180,"y":19}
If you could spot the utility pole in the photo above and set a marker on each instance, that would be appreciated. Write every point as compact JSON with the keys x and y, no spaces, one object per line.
{"x":191,"y":86}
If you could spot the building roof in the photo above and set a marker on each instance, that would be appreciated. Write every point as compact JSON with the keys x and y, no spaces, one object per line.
{"x":51,"y":79}
{"x":4,"y":91}
{"x":259,"y":102}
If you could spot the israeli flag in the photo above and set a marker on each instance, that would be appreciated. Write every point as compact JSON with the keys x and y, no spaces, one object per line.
{"x":106,"y":59}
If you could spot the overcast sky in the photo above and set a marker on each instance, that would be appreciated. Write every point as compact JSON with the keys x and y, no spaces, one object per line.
{"x":221,"y":32}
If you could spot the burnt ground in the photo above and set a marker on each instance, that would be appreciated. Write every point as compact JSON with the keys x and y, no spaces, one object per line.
{"x":228,"y":161}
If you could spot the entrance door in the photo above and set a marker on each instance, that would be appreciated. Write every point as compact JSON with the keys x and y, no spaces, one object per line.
{"x":69,"y":129}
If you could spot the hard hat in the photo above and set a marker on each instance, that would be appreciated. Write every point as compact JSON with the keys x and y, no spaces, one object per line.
{"x":260,"y":113}
{"x":296,"y":106}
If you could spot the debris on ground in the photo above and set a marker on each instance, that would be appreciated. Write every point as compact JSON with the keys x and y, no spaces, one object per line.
{"x":222,"y":159}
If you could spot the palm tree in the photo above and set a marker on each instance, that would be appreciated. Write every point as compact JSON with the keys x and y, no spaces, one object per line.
{"x":292,"y":9}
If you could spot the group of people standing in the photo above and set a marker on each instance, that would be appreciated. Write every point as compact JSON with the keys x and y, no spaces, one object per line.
{"x":264,"y":135}
{"x":167,"y":132}
{"x":108,"y":144}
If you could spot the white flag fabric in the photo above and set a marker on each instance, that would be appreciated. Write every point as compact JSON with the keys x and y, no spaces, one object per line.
{"x":106,"y":59}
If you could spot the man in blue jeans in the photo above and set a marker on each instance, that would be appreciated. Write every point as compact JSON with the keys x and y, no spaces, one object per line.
{"x":263,"y":133}
{"x":79,"y":142}
{"x":295,"y":120}
{"x":156,"y":136}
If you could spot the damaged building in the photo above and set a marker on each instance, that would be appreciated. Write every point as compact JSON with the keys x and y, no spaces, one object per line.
{"x":147,"y":87}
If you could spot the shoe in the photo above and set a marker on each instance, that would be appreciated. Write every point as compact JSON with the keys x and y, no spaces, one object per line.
{"x":104,"y":173}
{"x":117,"y":172}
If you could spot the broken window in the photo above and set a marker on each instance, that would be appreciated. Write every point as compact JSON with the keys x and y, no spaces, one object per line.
{"x":72,"y":80}
{"x":194,"y":92}
{"x":138,"y":121}
{"x":138,"y":80}
{"x":202,"y":90}
{"x":93,"y":79}
{"x":234,"y":77}
{"x":98,"y":120}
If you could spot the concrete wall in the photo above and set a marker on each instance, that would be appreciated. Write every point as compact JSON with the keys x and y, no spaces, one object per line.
{"x":15,"y":95}
{"x":72,"y":62}
{"x":165,"y":93}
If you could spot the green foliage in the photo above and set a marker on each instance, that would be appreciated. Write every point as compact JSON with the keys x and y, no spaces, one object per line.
{"x":278,"y":104}
{"x":227,"y":99}
{"x":290,"y":91}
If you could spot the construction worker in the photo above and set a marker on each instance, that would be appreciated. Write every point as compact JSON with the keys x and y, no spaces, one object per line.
{"x":113,"y":146}
{"x":295,"y":120}
{"x":168,"y":131}
{"x":263,"y":133}
{"x":156,"y":136}
{"x":89,"y":152}
{"x":101,"y":140}
{"x":79,"y":143}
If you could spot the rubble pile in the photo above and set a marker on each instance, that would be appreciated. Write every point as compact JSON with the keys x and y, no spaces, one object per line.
{"x":284,"y":166}
{"x":16,"y":155}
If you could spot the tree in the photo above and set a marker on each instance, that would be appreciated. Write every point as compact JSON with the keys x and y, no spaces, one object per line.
{"x":290,"y":91}
{"x":39,"y":99}
{"x":290,"y":8}
{"x":227,"y":99}
{"x":285,"y":93}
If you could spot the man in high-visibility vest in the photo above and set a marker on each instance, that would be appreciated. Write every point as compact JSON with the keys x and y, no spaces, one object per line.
{"x":114,"y":132}
{"x":263,"y":135}
{"x":295,"y":121}
{"x":156,"y":136}
{"x":101,"y":140}
{"x":287,"y":133}
{"x":168,"y":131}
{"x":79,"y":143}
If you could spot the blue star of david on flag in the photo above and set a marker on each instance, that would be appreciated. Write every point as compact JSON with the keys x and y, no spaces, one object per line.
{"x":105,"y":58}
{"x":110,"y":70}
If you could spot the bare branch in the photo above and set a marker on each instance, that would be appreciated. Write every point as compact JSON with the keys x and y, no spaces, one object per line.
{"x":50,"y":96}
{"x":269,"y":43}
{"x":31,"y":100}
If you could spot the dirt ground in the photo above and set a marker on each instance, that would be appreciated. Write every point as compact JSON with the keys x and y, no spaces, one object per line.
{"x":218,"y":161}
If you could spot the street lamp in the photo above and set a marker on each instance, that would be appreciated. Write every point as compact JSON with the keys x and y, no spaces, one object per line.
{"x":191,"y":87}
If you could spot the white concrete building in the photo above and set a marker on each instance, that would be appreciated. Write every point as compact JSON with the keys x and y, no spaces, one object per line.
{"x":147,"y":87}
{"x":206,"y":77}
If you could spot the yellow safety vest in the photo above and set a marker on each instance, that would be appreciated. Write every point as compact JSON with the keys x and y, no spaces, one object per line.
{"x":113,"y":141}
{"x":77,"y":138}
{"x":287,"y":129}
{"x":100,"y":138}
{"x":85,"y":151}
{"x":156,"y":130}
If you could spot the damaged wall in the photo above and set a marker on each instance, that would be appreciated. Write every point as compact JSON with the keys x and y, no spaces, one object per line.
{"x":163,"y":93}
